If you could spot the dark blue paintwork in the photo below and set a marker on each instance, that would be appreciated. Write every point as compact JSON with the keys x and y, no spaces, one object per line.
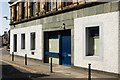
{"x":52,"y":54}
{"x":66,"y":47}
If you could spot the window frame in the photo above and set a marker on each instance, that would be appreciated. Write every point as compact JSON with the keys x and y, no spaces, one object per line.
{"x":90,"y":37}
{"x":101,"y":51}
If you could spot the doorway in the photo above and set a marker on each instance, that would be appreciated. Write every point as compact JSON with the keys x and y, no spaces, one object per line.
{"x":57,"y":45}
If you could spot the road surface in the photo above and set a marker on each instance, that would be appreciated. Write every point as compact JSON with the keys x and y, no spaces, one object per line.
{"x":11,"y":72}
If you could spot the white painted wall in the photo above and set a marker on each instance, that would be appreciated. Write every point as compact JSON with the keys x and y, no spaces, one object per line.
{"x":108,"y":58}
{"x":38,"y":45}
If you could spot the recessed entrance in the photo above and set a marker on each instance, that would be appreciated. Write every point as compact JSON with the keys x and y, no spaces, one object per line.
{"x":57,"y":45}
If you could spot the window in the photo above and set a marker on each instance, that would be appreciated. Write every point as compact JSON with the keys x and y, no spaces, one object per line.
{"x":15,"y":18}
{"x":34,"y":7}
{"x":53,"y":42}
{"x":66,"y":3}
{"x":22,"y":41}
{"x":24,"y":9}
{"x":15,"y":43}
{"x":69,"y":2}
{"x":49,"y":5}
{"x":17,"y":11}
{"x":92,"y":41}
{"x":32,"y":42}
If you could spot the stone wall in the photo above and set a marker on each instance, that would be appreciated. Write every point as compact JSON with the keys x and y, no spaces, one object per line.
{"x":53,"y":23}
{"x":68,"y":17}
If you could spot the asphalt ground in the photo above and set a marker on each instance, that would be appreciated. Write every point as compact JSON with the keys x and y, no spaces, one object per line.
{"x":10,"y":72}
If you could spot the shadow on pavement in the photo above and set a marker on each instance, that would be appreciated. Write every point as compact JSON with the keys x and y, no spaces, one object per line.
{"x":11,"y":73}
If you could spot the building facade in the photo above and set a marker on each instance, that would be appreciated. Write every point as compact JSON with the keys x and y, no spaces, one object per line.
{"x":73,"y":33}
{"x":4,"y":39}
{"x":0,"y":41}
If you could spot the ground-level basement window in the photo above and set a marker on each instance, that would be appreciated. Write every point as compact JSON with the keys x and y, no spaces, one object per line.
{"x":22,"y":41}
{"x":92,"y":41}
{"x":32,"y":40}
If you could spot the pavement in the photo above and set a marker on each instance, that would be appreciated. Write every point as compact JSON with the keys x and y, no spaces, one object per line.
{"x":59,"y":71}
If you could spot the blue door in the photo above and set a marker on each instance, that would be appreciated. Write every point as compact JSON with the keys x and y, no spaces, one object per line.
{"x":66,"y":47}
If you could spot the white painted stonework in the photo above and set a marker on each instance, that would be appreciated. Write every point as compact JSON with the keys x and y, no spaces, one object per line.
{"x":108,"y":56}
{"x":38,"y":45}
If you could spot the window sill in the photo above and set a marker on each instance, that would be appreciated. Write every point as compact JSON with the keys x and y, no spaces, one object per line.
{"x":94,"y":58}
{"x":22,"y":49}
{"x":32,"y":50}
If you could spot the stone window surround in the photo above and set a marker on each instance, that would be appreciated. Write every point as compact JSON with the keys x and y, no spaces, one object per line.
{"x":100,"y":57}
